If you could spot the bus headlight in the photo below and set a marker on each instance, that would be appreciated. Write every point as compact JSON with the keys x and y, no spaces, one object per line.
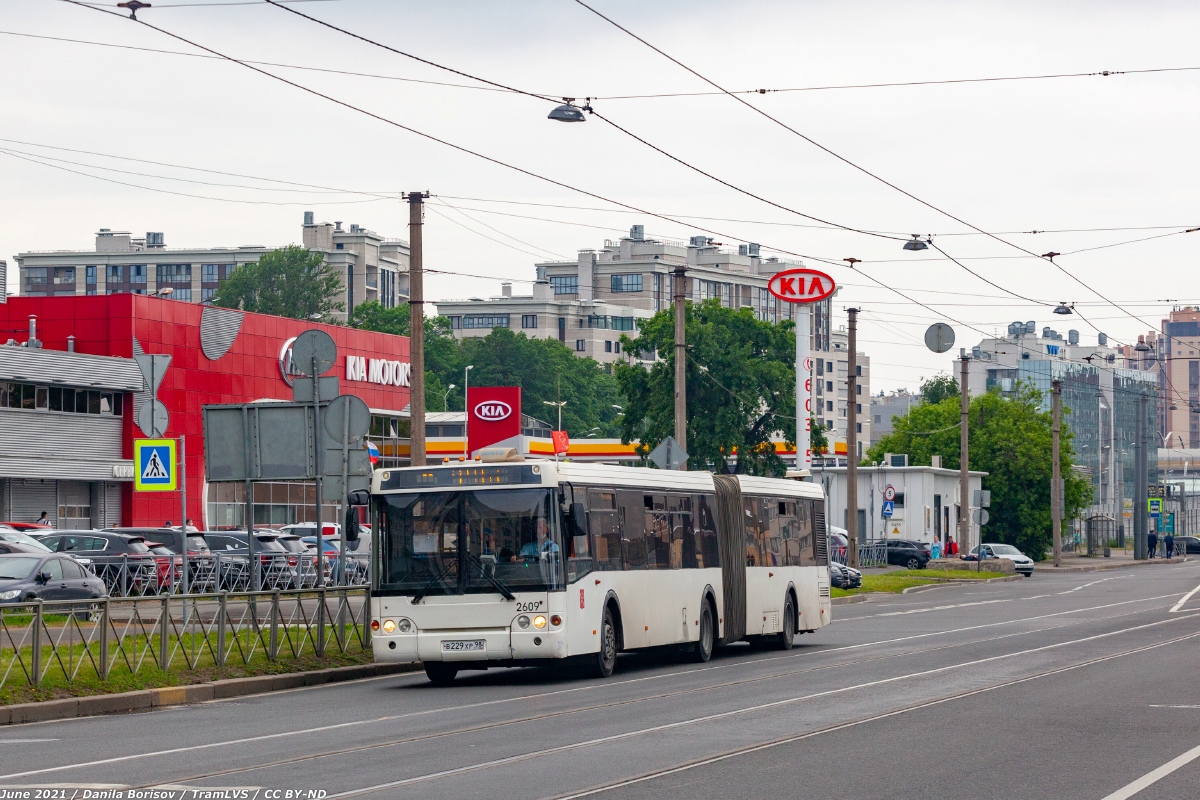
{"x":522,"y":622}
{"x":389,"y":625}
{"x":539,"y":622}
{"x":405,"y":625}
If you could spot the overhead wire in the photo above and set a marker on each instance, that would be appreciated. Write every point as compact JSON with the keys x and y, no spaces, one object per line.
{"x":846,"y":160}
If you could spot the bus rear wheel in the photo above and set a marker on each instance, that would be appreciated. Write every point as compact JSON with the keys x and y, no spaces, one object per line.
{"x":785,"y":638}
{"x":702,"y":650}
{"x":606,"y":660}
{"x":440,"y":673}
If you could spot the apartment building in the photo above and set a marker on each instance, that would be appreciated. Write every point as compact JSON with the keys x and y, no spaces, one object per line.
{"x":371,"y":266}
{"x":886,"y":406}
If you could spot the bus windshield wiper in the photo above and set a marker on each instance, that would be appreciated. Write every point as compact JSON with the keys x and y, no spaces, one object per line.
{"x":441,"y":573}
{"x":500,"y":587}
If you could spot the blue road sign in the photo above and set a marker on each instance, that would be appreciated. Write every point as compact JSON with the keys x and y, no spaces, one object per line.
{"x":889,"y":506}
{"x":154,"y":465}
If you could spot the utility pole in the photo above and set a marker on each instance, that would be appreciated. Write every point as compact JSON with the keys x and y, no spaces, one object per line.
{"x":680,"y":296}
{"x":1140,"y":477}
{"x":964,"y":461}
{"x":1056,"y":475}
{"x":851,"y":439}
{"x":416,"y":332}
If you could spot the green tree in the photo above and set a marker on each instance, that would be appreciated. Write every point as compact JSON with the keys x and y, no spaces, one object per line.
{"x":740,"y":387}
{"x":543,"y":368}
{"x":938,"y":388}
{"x":440,"y":345}
{"x":288,"y":282}
{"x":373,"y":316}
{"x":820,"y":444}
{"x":1010,"y":439}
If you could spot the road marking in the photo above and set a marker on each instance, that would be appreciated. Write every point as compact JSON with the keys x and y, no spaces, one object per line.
{"x":777,"y":704}
{"x":792,"y":739}
{"x":25,"y":741}
{"x":1161,"y":706}
{"x":943,"y":608}
{"x":1175,"y":608}
{"x":1093,"y":583}
{"x":1150,"y":778}
{"x":539,"y":695}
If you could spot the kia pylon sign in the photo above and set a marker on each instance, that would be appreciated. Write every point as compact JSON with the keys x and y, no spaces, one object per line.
{"x":802,"y":286}
{"x":493,"y":417}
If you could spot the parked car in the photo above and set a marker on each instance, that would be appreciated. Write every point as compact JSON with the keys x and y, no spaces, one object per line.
{"x":1183,"y":544}
{"x":303,"y":529}
{"x":28,"y":527}
{"x":170,"y":565}
{"x":277,"y":567}
{"x":203,"y":566}
{"x":1022,"y":562}
{"x":907,"y":554}
{"x":121,"y":560}
{"x":8,"y":548}
{"x":853,"y":577}
{"x":14,"y":536}
{"x":844,"y":577}
{"x":47,"y":576}
{"x":837,"y":544}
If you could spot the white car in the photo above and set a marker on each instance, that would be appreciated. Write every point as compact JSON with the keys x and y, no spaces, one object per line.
{"x":1022,"y":562}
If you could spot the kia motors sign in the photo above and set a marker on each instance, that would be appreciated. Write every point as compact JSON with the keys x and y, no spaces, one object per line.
{"x":493,"y":417}
{"x":801,"y":285}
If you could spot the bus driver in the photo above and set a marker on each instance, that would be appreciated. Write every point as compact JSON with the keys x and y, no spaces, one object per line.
{"x":542,"y":545}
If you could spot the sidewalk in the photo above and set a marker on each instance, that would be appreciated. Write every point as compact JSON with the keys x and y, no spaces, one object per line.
{"x":1074,"y":562}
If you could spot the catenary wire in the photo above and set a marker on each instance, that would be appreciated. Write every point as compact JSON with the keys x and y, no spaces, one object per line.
{"x":848,"y":162}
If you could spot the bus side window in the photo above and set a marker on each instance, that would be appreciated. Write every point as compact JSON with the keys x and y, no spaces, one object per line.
{"x":605,"y":528}
{"x":658,"y":532}
{"x":753,"y":543}
{"x":804,"y":531}
{"x":683,"y":537}
{"x":633,"y":531}
{"x":708,"y":552}
{"x":772,"y":531}
{"x":575,"y":537}
{"x":790,"y":532}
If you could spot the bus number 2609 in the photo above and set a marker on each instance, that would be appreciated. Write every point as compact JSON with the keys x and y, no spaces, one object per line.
{"x":535,"y":605}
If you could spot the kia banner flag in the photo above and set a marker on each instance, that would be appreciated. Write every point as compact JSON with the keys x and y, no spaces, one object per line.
{"x":493,"y":417}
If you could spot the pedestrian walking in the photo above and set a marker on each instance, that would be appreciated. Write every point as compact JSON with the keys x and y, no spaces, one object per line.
{"x":953,"y":547}
{"x":44,"y":519}
{"x":935,"y":549}
{"x":1152,"y":543}
{"x":1169,"y":544}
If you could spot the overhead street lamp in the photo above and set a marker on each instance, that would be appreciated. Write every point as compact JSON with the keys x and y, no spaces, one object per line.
{"x":915,"y":243}
{"x":569,"y":112}
{"x":559,"y":404}
{"x":446,"y":396}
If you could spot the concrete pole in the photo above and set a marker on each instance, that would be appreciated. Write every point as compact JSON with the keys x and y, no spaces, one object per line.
{"x":1056,"y":503}
{"x":964,"y":465}
{"x":680,"y":299}
{"x":416,"y":334}
{"x":851,"y":439}
{"x":1140,"y":478}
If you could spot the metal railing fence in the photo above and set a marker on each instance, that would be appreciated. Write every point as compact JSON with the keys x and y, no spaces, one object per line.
{"x":136,"y":575}
{"x":52,"y":643}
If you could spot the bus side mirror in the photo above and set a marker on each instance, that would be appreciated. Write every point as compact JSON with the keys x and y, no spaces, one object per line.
{"x":352,"y":527}
{"x":359,"y":497}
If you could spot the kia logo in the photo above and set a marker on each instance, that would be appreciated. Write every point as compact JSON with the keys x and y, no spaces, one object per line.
{"x":801,"y":285}
{"x":493,"y":410}
{"x":286,"y":368}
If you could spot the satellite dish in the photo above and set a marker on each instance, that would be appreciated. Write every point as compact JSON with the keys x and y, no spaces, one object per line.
{"x":940,"y":337}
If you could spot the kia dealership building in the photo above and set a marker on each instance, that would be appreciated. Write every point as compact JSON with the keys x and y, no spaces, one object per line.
{"x":69,"y":404}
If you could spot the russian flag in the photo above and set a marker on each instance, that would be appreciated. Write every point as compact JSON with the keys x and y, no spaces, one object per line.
{"x":372,"y":453}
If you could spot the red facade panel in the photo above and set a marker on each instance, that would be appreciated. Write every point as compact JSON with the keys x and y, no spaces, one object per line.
{"x":248,"y":371}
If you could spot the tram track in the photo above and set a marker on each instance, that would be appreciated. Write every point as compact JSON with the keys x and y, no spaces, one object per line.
{"x":608,"y":686}
{"x":747,"y":749}
{"x":614,"y":704}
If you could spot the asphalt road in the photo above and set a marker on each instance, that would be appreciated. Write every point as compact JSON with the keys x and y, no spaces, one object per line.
{"x":1060,"y":686}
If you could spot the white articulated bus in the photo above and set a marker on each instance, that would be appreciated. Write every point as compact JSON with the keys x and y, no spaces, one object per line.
{"x":480,"y":565}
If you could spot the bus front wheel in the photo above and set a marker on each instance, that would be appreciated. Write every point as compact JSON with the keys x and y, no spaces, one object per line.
{"x":440,"y":673}
{"x":606,"y":660}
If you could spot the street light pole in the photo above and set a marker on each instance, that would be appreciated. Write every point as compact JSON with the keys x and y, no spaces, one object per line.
{"x":1056,"y":475}
{"x":964,"y":465}
{"x":852,"y":531}
{"x":416,"y":332}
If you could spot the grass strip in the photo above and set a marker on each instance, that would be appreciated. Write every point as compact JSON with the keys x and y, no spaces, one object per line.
{"x":897,"y":581}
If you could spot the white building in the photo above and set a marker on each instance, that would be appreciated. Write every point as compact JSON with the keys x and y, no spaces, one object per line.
{"x":926,"y":504}
{"x":371,"y":267}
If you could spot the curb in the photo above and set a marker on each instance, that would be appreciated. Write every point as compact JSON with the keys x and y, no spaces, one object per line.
{"x":848,"y":599}
{"x":1110,"y":566}
{"x":148,"y":699}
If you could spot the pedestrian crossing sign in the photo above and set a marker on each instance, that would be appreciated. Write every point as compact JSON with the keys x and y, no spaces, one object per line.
{"x":154,"y":465}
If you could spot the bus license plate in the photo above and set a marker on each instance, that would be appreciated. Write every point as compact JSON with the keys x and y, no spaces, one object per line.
{"x":474,"y":644}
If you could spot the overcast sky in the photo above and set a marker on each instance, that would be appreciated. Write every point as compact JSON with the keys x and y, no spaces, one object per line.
{"x":1065,"y":153}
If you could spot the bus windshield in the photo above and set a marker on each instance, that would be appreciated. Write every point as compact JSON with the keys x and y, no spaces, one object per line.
{"x":469,"y":542}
